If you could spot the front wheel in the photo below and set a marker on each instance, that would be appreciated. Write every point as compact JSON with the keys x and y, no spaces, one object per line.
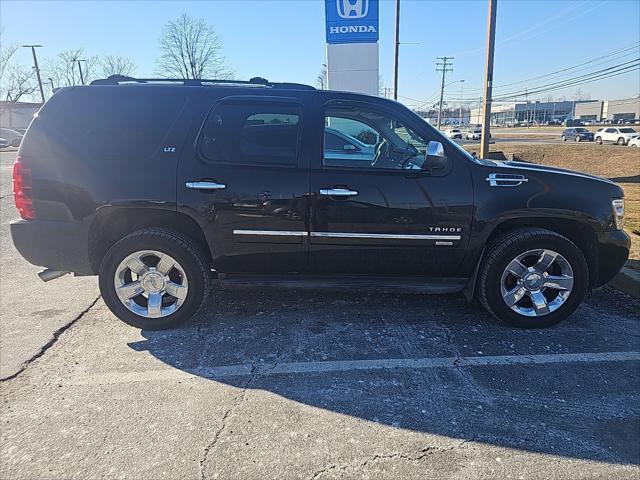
{"x":578,"y":139}
{"x":533,"y":278}
{"x":153,"y":279}
{"x":599,"y":140}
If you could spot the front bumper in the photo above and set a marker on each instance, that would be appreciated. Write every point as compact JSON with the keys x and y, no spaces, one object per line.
{"x":56,"y":245}
{"x":613,"y":252}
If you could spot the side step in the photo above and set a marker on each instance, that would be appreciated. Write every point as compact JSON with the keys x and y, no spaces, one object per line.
{"x":359,"y":282}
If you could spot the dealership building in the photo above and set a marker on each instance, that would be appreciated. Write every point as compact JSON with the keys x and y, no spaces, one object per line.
{"x":511,"y":113}
{"x":613,"y":110}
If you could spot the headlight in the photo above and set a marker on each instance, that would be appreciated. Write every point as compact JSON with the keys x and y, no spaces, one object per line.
{"x":618,"y":212}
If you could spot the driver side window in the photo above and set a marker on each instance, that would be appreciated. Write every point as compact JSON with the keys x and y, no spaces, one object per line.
{"x":359,"y":138}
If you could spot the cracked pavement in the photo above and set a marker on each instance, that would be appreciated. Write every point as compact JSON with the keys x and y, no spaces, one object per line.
{"x":282,"y":384}
{"x":285,"y":384}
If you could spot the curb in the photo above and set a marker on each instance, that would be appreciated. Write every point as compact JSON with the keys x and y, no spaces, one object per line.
{"x":628,"y":281}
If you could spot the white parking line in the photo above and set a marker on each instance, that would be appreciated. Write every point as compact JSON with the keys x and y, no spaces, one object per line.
{"x":266,"y":369}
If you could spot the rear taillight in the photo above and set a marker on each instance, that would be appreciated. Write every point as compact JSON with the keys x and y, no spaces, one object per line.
{"x":22,"y":191}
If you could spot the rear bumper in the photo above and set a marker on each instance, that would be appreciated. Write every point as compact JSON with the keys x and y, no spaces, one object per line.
{"x":55,"y":245}
{"x":613,"y":251}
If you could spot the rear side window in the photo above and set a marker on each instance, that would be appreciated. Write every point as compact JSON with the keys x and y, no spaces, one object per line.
{"x":251,"y":133}
{"x":112,"y":123}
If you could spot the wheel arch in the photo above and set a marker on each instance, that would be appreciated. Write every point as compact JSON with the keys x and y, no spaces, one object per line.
{"x":581,"y":234}
{"x":113,"y":223}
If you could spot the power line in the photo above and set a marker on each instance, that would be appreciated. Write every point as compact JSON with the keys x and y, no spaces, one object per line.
{"x":610,"y":56}
{"x":585,"y":78}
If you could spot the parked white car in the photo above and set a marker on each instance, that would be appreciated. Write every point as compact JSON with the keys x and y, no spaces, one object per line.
{"x":619,"y":135}
{"x":453,"y":133}
{"x":634,"y":142}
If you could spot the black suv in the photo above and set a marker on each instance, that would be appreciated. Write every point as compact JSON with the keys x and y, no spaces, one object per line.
{"x":160,"y":187}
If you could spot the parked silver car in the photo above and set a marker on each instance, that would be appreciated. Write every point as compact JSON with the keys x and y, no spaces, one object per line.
{"x":12,"y":136}
{"x":340,"y":146}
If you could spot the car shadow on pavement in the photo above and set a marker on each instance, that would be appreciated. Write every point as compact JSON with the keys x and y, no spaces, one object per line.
{"x":340,"y":352}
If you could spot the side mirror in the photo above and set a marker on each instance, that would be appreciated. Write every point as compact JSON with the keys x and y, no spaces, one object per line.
{"x":435,"y":158}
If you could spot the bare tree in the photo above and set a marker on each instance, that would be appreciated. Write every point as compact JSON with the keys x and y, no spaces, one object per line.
{"x":117,"y":65}
{"x":191,"y":49}
{"x":17,"y":82}
{"x":6,"y":54}
{"x":322,"y":81}
{"x":65,"y":71}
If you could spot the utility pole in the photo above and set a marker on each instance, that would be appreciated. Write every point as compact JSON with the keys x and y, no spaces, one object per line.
{"x":396,"y":53}
{"x":488,"y":77}
{"x":444,"y":67}
{"x":36,"y":68}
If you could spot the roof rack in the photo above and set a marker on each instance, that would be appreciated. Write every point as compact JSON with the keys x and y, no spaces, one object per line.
{"x":200,"y":82}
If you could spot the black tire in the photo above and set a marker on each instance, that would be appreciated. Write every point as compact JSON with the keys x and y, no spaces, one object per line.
{"x":599,"y":140}
{"x":564,"y":139}
{"x":507,"y":247}
{"x":182,"y":249}
{"x":578,"y":138}
{"x":621,"y":141}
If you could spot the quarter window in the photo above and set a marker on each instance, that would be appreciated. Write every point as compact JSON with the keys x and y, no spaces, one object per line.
{"x":245,"y":133}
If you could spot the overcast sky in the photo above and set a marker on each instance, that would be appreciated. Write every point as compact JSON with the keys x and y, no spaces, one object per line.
{"x":284,"y":40}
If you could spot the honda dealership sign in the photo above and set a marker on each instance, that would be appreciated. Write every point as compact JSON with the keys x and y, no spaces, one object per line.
{"x":352,"y":45}
{"x":352,"y":21}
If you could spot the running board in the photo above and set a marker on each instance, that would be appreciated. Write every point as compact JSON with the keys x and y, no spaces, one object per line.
{"x":360,"y":282}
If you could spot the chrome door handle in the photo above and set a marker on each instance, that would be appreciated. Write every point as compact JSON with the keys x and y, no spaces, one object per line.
{"x":206,"y":185}
{"x":338,"y":192}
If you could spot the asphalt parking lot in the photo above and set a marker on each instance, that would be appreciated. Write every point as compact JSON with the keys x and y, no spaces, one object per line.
{"x":294,"y":384}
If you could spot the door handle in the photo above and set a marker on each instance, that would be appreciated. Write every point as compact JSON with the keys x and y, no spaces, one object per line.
{"x":206,"y":185}
{"x":338,"y":192}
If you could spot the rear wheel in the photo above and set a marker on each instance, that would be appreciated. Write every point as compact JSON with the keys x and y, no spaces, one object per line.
{"x":533,"y":278}
{"x":621,"y":141}
{"x":599,"y":140}
{"x":564,"y":139}
{"x":153,"y":279}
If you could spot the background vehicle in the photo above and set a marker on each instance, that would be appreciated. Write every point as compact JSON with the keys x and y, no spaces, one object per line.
{"x":619,"y":135}
{"x":634,"y":142}
{"x":13,"y":137}
{"x":336,"y":144}
{"x":577,"y":134}
{"x":248,"y":195}
{"x":473,"y":134}
{"x":4,"y":143}
{"x":453,"y":133}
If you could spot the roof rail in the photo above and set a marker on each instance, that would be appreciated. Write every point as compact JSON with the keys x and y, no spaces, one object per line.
{"x":200,"y":82}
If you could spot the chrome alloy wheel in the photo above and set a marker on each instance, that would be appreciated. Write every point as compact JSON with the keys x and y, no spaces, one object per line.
{"x":151,"y":284}
{"x":536,"y":282}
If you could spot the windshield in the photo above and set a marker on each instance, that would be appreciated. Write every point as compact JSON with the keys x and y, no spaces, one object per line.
{"x":627,"y":130}
{"x":581,"y":130}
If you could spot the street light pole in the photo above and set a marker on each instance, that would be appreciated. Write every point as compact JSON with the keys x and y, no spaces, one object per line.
{"x":80,"y":68}
{"x":36,"y":68}
{"x":396,"y":52}
{"x":488,"y":77}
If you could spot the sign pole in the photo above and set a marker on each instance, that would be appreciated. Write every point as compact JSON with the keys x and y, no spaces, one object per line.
{"x":396,"y":53}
